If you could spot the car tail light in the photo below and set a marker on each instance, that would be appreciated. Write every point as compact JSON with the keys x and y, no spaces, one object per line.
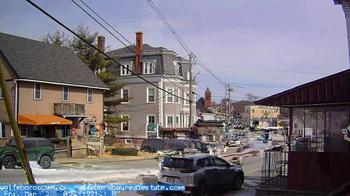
{"x":187,"y":170}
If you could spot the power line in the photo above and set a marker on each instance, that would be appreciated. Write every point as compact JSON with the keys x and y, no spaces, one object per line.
{"x":272,"y":70}
{"x":180,"y":40}
{"x":94,"y":47}
{"x":103,"y":26}
{"x":171,"y":29}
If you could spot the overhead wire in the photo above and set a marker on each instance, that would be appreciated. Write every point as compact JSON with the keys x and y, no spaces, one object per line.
{"x":180,"y":40}
{"x":114,"y":29}
{"x":97,"y":49}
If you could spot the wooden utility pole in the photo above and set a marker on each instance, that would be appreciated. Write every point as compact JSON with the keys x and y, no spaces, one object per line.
{"x":229,"y":90}
{"x":16,"y":132}
{"x":190,"y":93}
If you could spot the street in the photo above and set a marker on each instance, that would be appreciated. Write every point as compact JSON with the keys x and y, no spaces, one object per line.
{"x":125,"y":172}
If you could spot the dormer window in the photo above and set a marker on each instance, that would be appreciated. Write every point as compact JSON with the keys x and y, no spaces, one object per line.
{"x":124,"y":71}
{"x":176,"y":68}
{"x":148,"y":67}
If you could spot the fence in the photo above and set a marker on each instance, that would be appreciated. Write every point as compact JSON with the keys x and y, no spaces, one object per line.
{"x":274,"y":168}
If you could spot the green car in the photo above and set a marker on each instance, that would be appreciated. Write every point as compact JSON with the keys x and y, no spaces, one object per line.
{"x":37,"y":149}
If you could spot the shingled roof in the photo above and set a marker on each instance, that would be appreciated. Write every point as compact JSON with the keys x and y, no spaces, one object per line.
{"x":129,"y":50}
{"x":35,"y":60}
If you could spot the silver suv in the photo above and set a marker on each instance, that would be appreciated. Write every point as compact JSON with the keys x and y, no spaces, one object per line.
{"x":200,"y":173}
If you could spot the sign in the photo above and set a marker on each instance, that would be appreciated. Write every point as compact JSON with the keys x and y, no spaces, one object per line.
{"x":152,"y":130}
{"x":151,"y":127}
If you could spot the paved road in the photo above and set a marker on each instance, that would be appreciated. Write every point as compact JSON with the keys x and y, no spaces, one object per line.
{"x":141,"y":171}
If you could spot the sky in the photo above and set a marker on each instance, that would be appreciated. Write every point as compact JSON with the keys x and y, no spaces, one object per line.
{"x":258,"y":47}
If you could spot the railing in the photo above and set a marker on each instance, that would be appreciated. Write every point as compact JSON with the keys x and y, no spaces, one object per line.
{"x":308,"y":144}
{"x":274,"y":168}
{"x":69,"y":109}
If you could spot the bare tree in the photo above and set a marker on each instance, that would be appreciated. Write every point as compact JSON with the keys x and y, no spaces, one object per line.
{"x":251,"y":97}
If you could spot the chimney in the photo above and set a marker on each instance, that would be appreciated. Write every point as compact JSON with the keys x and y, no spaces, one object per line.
{"x":138,"y":53}
{"x":207,"y":98}
{"x":101,"y":43}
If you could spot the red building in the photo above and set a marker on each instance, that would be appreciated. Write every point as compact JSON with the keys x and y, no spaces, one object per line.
{"x":318,"y":157}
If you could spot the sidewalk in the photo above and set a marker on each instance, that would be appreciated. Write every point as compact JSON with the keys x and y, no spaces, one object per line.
{"x":105,"y":158}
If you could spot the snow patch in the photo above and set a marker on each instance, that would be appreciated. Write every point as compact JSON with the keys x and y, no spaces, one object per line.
{"x":92,"y":176}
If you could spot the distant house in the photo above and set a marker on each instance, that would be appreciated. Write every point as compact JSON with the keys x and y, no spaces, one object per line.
{"x":148,"y":105}
{"x":238,"y":111}
{"x":210,"y":130}
{"x":55,"y":94}
{"x":260,"y":116}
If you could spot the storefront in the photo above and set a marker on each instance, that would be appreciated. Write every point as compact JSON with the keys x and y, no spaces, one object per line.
{"x":47,"y":126}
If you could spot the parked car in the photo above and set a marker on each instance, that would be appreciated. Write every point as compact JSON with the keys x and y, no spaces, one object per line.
{"x":155,"y":145}
{"x":200,"y":173}
{"x":37,"y":149}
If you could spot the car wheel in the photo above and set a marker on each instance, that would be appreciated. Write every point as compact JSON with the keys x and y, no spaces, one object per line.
{"x":9,"y":162}
{"x":45,"y":162}
{"x":202,"y":190}
{"x":237,"y":182}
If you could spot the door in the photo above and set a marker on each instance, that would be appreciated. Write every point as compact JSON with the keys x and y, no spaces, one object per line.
{"x":29,"y":146}
{"x":210,"y":171}
{"x":223,"y":170}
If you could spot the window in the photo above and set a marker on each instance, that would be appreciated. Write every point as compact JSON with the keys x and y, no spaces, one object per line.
{"x":65,"y":93}
{"x":124,"y":71}
{"x":125,"y":124}
{"x":151,"y":95}
{"x":220,"y":162}
{"x":125,"y":95}
{"x":89,"y":95}
{"x":176,"y":68}
{"x":2,"y":130}
{"x":128,"y":141}
{"x":148,"y":67}
{"x":169,"y":97}
{"x":29,"y":143}
{"x":206,"y":162}
{"x":176,"y":98}
{"x":187,"y":98}
{"x":177,"y":121}
{"x":170,"y":121}
{"x":151,"y":119}
{"x":37,"y":91}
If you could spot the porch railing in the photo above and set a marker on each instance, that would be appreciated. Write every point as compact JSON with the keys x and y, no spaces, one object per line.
{"x":69,"y":109}
{"x":274,"y":168}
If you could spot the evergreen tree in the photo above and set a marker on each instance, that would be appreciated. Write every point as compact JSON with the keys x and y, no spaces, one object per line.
{"x":57,"y":38}
{"x":98,"y":64}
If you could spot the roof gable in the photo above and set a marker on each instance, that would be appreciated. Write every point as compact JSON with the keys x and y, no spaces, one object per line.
{"x":35,"y":60}
{"x":333,"y":89}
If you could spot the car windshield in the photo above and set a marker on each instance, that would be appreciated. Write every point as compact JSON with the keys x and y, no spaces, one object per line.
{"x":182,"y":163}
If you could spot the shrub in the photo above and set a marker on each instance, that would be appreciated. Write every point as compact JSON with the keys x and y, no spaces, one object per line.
{"x":125,"y":151}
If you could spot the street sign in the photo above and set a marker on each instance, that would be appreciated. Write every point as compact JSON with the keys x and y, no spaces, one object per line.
{"x":151,"y":127}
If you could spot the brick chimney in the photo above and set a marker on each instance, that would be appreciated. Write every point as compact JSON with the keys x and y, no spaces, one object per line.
{"x":101,"y":43}
{"x":207,"y":98}
{"x":138,"y":53}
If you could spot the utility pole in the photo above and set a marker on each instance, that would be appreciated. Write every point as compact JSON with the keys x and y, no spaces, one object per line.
{"x":16,"y":132}
{"x":190,"y":93}
{"x":229,"y":90}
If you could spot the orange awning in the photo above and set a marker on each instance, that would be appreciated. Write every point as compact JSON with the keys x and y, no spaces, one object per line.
{"x":32,"y":119}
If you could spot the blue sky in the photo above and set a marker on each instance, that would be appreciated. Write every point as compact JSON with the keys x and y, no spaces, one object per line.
{"x":262,"y":47}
